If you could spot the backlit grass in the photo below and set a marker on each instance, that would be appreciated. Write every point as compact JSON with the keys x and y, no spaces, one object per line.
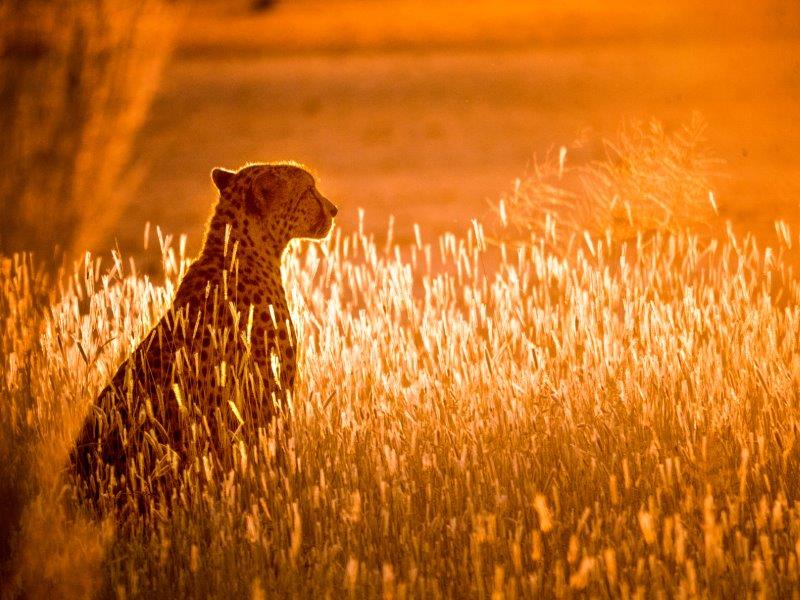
{"x":617,"y":426}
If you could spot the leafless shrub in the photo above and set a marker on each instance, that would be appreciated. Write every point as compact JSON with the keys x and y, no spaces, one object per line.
{"x":648,"y":180}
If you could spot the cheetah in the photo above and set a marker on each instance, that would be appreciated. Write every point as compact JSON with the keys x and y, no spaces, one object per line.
{"x":230,"y":304}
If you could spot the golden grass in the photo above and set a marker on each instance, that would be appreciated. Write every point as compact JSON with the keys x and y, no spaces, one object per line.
{"x":559,"y":426}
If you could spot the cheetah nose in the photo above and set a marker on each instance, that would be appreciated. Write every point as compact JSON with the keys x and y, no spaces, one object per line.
{"x":332,"y":210}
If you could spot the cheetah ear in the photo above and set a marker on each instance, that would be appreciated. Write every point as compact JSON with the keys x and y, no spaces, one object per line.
{"x":221,"y":178}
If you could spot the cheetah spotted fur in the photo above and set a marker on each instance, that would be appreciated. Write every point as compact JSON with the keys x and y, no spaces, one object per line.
{"x":135,"y":427}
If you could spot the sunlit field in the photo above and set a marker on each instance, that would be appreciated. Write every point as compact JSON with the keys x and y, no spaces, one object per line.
{"x":613,"y":415}
{"x":550,"y":348}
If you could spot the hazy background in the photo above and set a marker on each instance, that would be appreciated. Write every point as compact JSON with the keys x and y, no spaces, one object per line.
{"x":428,"y":110}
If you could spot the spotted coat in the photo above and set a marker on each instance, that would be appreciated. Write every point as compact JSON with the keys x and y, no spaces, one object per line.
{"x":229,"y":311}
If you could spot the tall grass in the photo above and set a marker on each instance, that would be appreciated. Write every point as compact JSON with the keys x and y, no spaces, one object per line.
{"x":564,"y":425}
{"x":76,"y":79}
{"x":608,"y":410}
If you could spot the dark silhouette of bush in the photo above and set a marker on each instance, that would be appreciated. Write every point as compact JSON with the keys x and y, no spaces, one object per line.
{"x":76,"y":79}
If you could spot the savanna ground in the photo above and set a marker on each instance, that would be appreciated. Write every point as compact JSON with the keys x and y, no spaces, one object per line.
{"x":599,"y":413}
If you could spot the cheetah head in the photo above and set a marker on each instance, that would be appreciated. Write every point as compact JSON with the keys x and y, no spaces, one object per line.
{"x":280,"y":198}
